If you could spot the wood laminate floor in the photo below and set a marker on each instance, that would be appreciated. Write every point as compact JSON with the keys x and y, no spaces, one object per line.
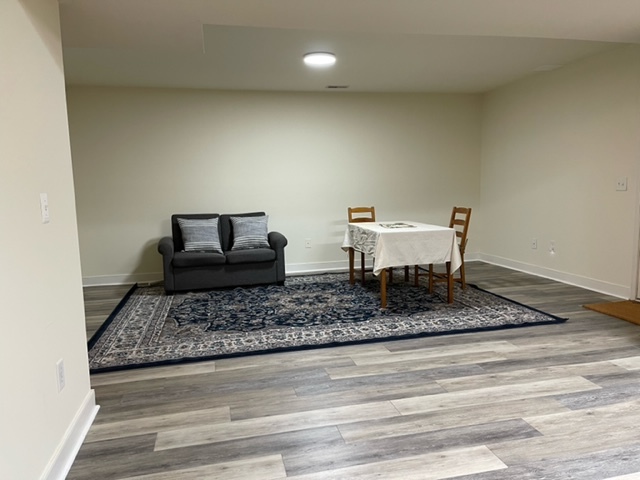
{"x":547,"y":402}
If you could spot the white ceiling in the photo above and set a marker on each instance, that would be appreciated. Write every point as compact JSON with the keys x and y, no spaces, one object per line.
{"x":381,"y":45}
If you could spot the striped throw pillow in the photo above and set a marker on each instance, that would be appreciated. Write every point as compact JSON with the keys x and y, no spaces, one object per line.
{"x":249,"y":232}
{"x":200,"y":235}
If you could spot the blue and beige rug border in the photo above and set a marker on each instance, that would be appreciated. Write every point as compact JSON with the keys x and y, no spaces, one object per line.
{"x":537,"y":318}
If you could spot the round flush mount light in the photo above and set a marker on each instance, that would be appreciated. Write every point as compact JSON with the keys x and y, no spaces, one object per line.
{"x":319,"y":59}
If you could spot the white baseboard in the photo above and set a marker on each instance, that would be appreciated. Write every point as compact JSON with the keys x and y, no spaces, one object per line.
{"x":620,"y":291}
{"x":65,"y":454}
{"x":599,"y":286}
{"x":319,"y":267}
{"x":144,"y":278}
{"x":124,"y":279}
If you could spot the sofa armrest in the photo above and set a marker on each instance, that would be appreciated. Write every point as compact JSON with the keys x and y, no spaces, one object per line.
{"x":166,"y":248}
{"x":277,"y":240}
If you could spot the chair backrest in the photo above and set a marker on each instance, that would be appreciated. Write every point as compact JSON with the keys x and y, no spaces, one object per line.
{"x":460,"y":217}
{"x":362,"y":214}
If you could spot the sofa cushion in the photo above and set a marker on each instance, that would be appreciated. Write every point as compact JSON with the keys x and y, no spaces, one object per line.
{"x":254,"y":255}
{"x":249,"y":232}
{"x":200,"y":235}
{"x":197,"y":259}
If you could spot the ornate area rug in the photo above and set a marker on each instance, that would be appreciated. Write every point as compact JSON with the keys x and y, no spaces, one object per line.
{"x":152,"y":328}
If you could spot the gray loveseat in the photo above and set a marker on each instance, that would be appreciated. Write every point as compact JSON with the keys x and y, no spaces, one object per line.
{"x":195,"y":270}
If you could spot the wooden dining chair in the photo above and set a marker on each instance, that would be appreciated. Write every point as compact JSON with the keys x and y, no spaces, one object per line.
{"x":459,"y":221}
{"x":357,"y":215}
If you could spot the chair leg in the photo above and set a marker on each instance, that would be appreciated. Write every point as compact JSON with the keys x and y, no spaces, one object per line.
{"x":449,"y":275}
{"x":431,"y":278}
{"x":462,"y":278}
{"x":416,"y":275}
{"x":390,"y":270}
{"x":406,"y":273}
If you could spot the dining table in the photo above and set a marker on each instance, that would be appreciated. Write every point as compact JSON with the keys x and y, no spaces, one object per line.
{"x":400,"y":244}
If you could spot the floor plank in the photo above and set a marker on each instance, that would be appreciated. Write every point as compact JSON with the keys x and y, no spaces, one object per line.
{"x":440,"y":465}
{"x":267,"y":468}
{"x":592,"y":430}
{"x":489,"y":395}
{"x":273,"y":424}
{"x":449,"y":419}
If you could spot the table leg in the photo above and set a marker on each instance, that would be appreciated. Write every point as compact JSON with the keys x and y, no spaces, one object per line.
{"x":449,"y":283}
{"x":383,"y":288}
{"x":351,"y":255}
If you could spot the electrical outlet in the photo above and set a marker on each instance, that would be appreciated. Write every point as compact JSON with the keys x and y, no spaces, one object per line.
{"x":44,"y":207}
{"x":307,"y":243}
{"x":534,"y":244}
{"x":60,"y":375}
{"x":552,"y":247}
{"x":621,"y":184}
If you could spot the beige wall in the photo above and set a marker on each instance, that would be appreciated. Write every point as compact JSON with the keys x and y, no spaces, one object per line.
{"x":553,"y":147}
{"x":536,"y":159}
{"x":142,"y":154}
{"x":40,"y":285}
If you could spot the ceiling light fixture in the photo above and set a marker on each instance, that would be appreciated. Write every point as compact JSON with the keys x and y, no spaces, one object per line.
{"x":319,"y":59}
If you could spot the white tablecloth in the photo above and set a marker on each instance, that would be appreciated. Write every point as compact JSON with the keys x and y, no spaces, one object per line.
{"x":400,"y":243}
